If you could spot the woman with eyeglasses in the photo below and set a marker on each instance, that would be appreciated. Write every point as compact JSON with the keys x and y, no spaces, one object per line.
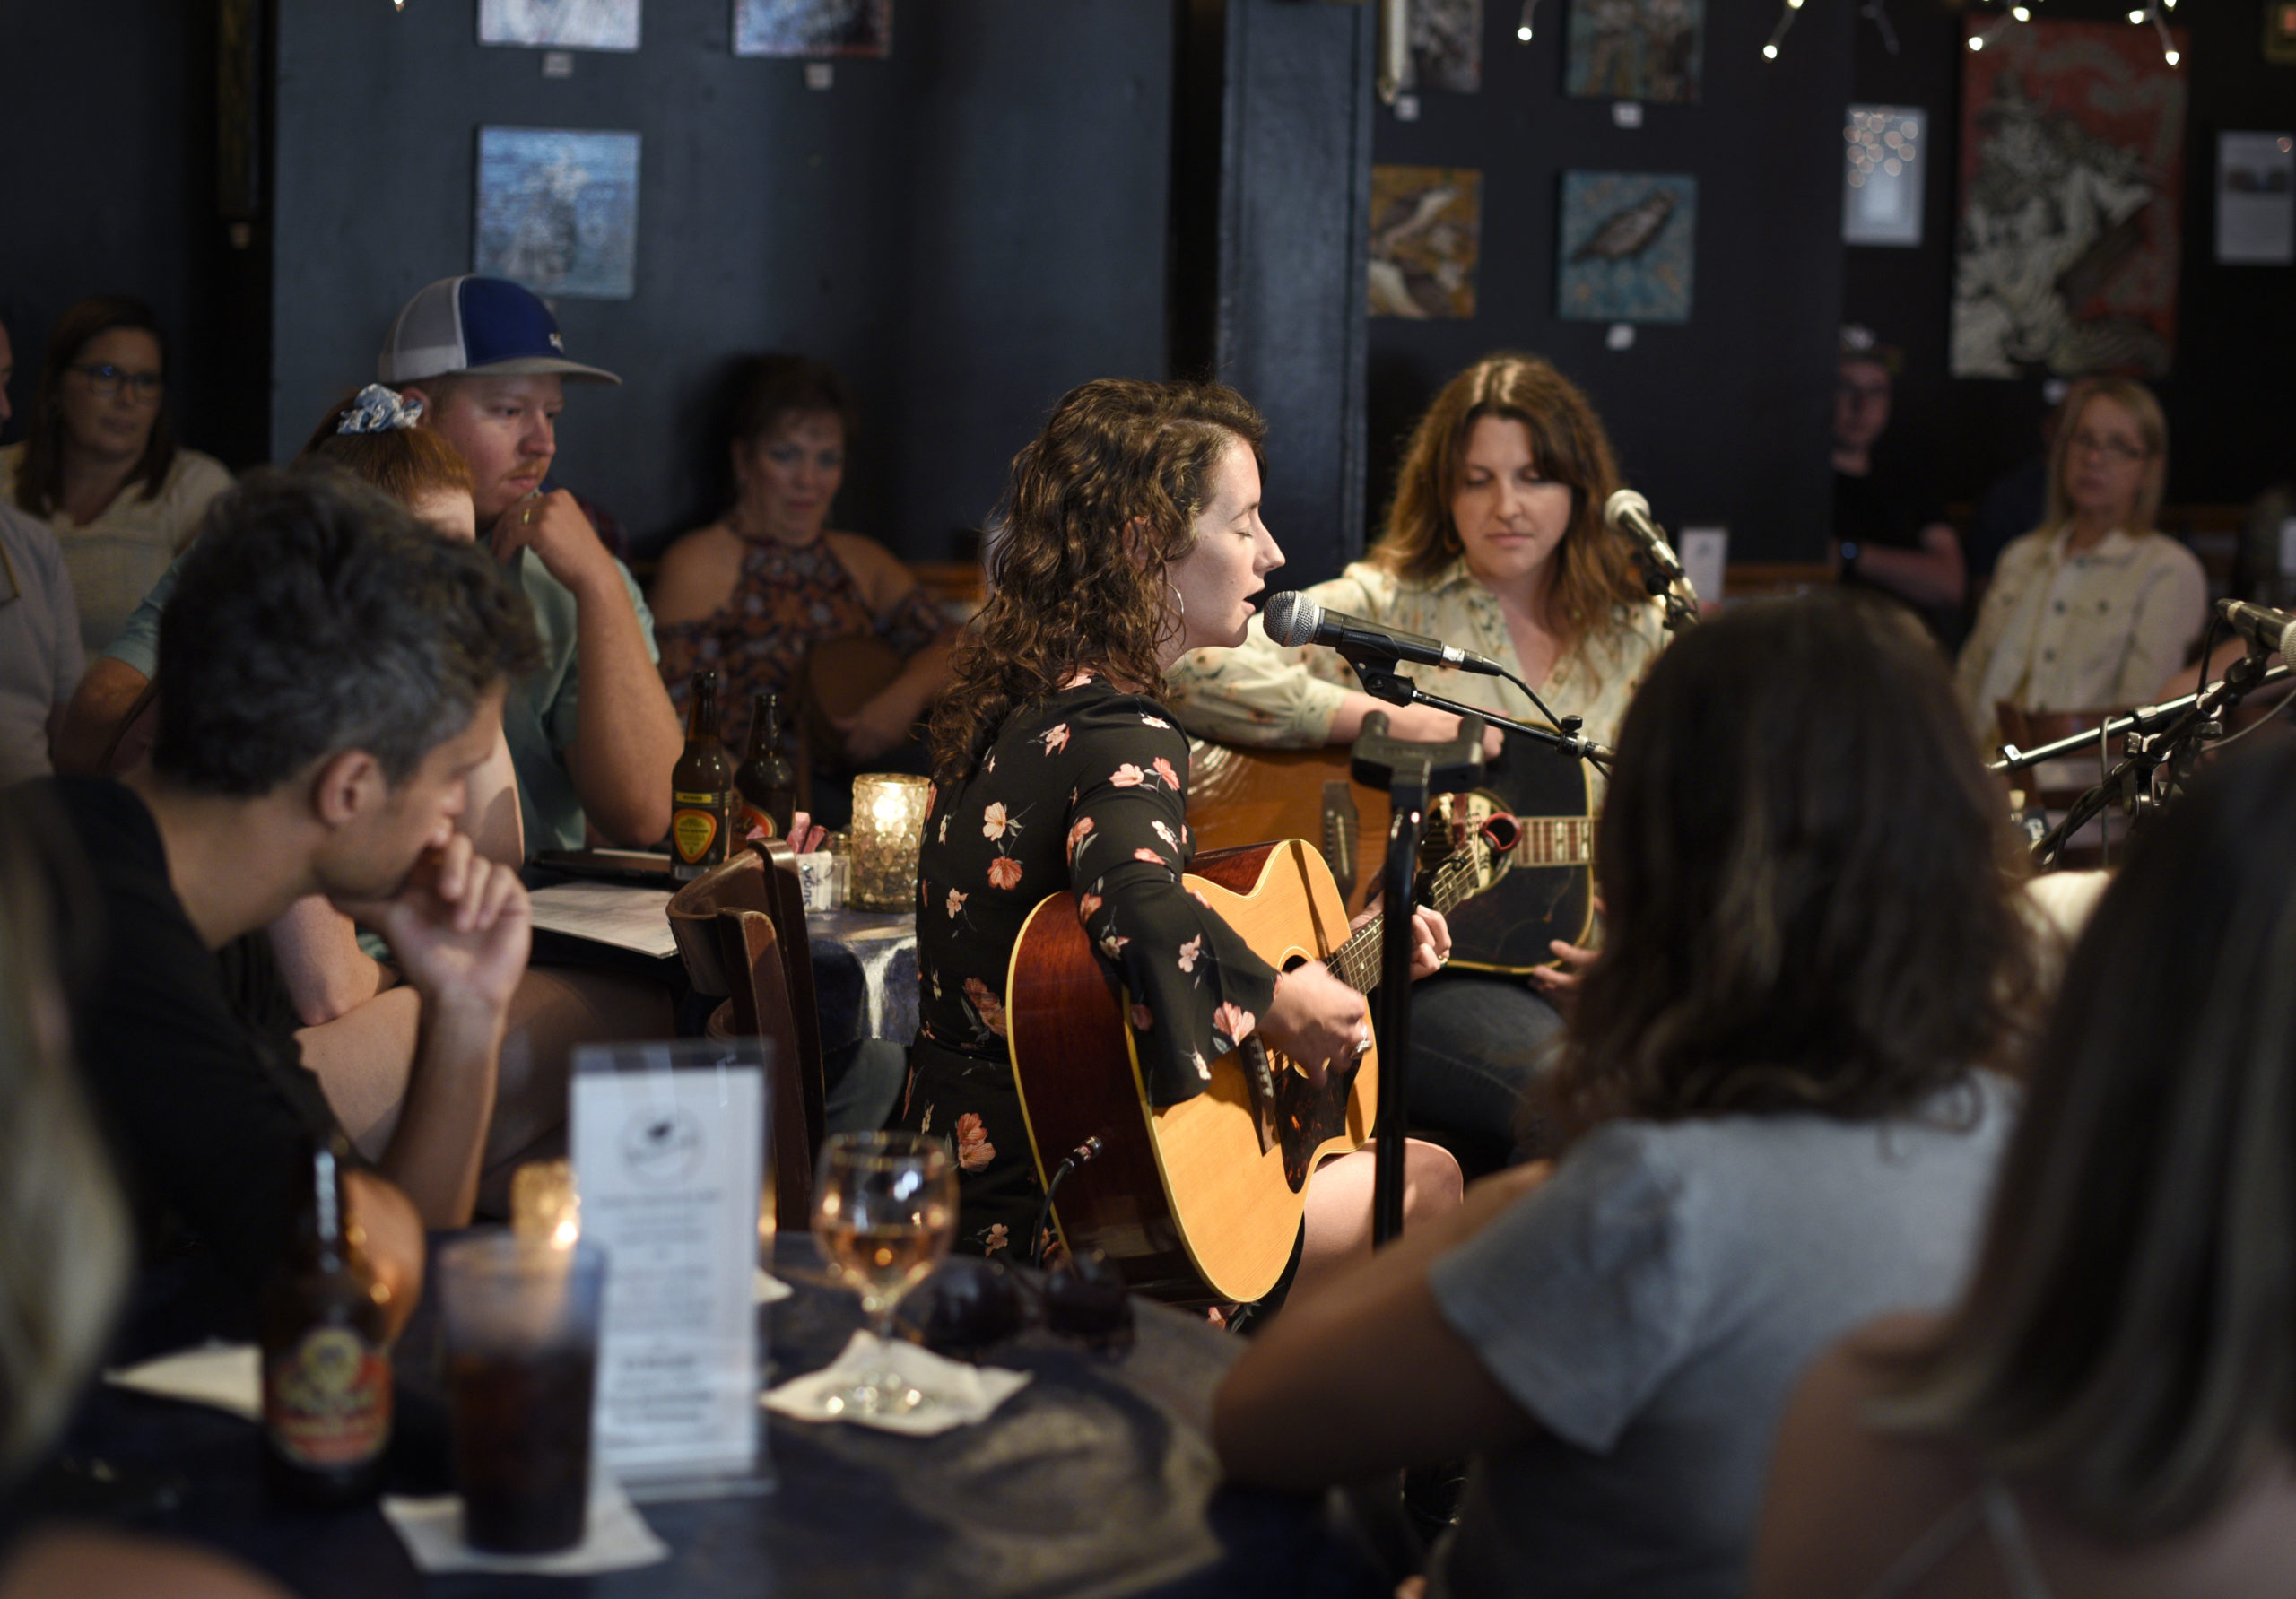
{"x":101,"y":465}
{"x":2094,"y":608}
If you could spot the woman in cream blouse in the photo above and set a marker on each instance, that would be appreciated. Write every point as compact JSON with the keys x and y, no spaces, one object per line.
{"x":1495,"y":544}
{"x":2092,"y":609}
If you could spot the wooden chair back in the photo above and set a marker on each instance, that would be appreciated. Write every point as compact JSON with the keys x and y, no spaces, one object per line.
{"x":729,"y":940}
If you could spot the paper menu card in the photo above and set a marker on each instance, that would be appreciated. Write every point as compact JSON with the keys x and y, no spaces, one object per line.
{"x":668,"y":1157}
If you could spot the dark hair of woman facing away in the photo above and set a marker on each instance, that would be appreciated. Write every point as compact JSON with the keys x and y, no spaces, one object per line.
{"x":2127,"y":1347}
{"x":1591,"y":569}
{"x":1099,"y":506}
{"x":39,"y":475}
{"x":1810,"y":882}
{"x":63,"y":1232}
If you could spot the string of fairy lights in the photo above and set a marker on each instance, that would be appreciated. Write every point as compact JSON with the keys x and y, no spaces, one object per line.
{"x":2152,"y":12}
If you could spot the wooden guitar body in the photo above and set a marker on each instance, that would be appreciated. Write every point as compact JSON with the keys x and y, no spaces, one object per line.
{"x":1200,"y":1202}
{"x":1236,"y":796}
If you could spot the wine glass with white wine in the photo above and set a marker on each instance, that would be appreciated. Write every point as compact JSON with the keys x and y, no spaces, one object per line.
{"x":885,"y":1212}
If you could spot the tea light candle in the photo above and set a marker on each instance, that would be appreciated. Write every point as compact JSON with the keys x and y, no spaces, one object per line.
{"x":543,"y":1204}
{"x":888,"y":829}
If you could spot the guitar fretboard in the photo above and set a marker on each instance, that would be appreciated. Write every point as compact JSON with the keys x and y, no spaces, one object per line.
{"x":1555,"y":842}
{"x":1356,"y":962}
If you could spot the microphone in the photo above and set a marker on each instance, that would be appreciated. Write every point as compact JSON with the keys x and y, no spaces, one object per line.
{"x":1628,"y":513}
{"x":1292,"y":619}
{"x":2260,"y":624}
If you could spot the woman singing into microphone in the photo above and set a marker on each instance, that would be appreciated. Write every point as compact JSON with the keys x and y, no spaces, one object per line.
{"x":1130,"y":534}
{"x":1495,"y":544}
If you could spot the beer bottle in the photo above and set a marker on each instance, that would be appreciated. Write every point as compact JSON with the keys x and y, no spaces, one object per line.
{"x":767,"y":778}
{"x":326,"y":1367}
{"x":703,"y":797}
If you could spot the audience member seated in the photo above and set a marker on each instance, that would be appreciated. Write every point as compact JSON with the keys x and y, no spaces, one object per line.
{"x":1776,"y":1118}
{"x":65,"y":1248}
{"x":40,"y":657}
{"x":100,"y":464}
{"x":2106,"y":1411}
{"x":1889,"y":534}
{"x":1131,"y":533}
{"x":591,"y":733}
{"x":751,"y":595}
{"x":2093,"y":609}
{"x":362,"y":1025}
{"x":333,"y":673}
{"x":1495,"y":543}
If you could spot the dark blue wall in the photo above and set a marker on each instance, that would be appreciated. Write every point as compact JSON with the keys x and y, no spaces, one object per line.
{"x":1723,"y":420}
{"x":966,"y":229}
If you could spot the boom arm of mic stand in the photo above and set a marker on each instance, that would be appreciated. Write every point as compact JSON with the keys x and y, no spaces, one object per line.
{"x":2144,"y":718}
{"x":1382,"y":681}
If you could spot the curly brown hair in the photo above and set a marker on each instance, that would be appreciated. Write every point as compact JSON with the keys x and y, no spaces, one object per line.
{"x":1810,"y":882}
{"x":1592,"y":573}
{"x":1100,"y":506}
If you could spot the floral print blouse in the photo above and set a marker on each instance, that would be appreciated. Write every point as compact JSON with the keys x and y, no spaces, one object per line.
{"x":1086,"y":793}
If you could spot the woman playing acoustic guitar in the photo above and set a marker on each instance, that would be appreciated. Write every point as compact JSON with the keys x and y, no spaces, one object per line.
{"x":1495,"y":543}
{"x":1130,"y":533}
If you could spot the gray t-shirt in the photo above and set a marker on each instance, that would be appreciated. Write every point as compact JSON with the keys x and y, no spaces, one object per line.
{"x":1653,"y":1304}
{"x":539,"y":715}
{"x":39,"y":642}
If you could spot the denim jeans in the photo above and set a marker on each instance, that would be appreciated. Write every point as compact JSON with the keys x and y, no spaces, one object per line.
{"x":1477,"y":1044}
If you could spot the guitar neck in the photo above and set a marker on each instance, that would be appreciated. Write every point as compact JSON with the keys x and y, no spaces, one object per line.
{"x":1356,"y":962}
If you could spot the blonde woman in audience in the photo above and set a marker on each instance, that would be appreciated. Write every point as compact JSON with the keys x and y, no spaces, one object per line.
{"x":2093,"y":609}
{"x":2111,"y":1409}
{"x":64,"y":1255}
{"x":100,"y":464}
{"x":1776,"y":1125}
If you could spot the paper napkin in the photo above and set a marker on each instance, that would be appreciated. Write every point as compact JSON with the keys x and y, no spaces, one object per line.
{"x":616,"y":1539}
{"x":962,"y":1393}
{"x":227,"y":1375}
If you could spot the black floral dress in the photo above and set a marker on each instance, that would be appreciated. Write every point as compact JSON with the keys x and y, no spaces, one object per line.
{"x":1085,"y":794}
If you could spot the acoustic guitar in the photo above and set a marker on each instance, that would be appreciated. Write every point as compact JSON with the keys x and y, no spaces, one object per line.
{"x":1198,"y":1203}
{"x":1236,"y":796}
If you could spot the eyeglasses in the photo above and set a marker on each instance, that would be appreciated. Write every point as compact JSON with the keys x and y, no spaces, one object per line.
{"x":2112,"y":449}
{"x":107,"y":381}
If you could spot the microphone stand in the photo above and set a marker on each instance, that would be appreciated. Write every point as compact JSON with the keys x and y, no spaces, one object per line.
{"x":1672,"y":587}
{"x":1382,"y":681}
{"x":1413,"y":774}
{"x":2168,"y":735}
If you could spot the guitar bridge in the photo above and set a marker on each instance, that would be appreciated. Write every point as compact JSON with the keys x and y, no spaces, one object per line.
{"x":1343,"y":826}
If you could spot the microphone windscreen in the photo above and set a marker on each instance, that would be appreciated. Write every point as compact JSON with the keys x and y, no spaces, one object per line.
{"x":1291,"y":619}
{"x":1617,"y":506}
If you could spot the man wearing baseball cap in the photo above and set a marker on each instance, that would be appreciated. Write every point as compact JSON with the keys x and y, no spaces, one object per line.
{"x":592,"y":734}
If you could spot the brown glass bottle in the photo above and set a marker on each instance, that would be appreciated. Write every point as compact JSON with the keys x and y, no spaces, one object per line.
{"x":326,"y":1366}
{"x":767,"y":778}
{"x":702,"y":797}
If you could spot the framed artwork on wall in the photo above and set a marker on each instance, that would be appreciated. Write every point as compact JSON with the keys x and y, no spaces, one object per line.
{"x":1446,"y":45}
{"x":1626,"y":246}
{"x":560,"y":24}
{"x":812,"y":27}
{"x":1635,"y":49}
{"x":1882,"y":173}
{"x":557,"y":210}
{"x":2255,"y":199}
{"x":2072,"y":175}
{"x":1426,"y":227}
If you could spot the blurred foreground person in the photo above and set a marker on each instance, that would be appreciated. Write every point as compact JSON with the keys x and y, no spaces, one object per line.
{"x":65,"y":1248}
{"x":2111,"y":1409}
{"x":1775,"y":1117}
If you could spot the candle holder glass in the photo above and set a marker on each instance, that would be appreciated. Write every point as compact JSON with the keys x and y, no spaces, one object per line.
{"x":888,"y":830}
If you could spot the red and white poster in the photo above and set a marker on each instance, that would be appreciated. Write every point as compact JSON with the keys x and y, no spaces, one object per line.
{"x":2072,"y":187}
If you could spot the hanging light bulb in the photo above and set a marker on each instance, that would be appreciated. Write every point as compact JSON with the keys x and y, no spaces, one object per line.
{"x":1523,"y":27}
{"x":2020,"y":14}
{"x":1977,"y":41}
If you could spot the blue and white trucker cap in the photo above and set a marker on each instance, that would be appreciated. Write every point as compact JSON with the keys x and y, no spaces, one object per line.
{"x":489,"y":326}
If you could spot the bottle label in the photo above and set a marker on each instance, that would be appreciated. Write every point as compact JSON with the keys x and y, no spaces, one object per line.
{"x":327,"y":1400}
{"x":696,"y":824}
